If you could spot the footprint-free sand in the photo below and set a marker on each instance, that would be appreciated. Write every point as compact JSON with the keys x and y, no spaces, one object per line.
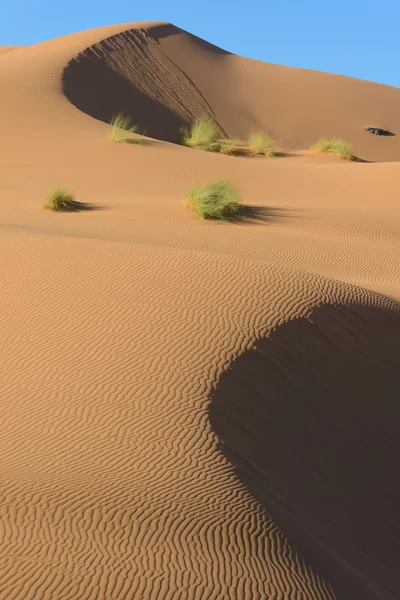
{"x":196,"y":410}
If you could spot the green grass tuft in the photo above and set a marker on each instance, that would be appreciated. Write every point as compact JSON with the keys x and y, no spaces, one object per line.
{"x":232,"y":147}
{"x":203,"y":134}
{"x":60,"y":200}
{"x":214,"y":200}
{"x":261,"y":143}
{"x":123,"y":131}
{"x":335,"y":146}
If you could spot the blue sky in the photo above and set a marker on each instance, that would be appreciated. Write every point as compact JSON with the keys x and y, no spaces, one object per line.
{"x":359,"y":38}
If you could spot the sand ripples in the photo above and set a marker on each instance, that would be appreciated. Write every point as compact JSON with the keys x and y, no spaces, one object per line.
{"x":118,"y":324}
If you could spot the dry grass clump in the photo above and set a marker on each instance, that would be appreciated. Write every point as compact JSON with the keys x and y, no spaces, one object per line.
{"x":232,"y":147}
{"x":214,"y":200}
{"x":60,"y":200}
{"x":204,"y":134}
{"x":335,"y":146}
{"x":122,"y":130}
{"x":262,"y":144}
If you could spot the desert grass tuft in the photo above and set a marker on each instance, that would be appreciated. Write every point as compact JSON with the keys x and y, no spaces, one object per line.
{"x":232,"y":147}
{"x":214,"y":200}
{"x":60,"y":200}
{"x":203,"y":134}
{"x":262,"y":144}
{"x":335,"y":146}
{"x":123,"y":131}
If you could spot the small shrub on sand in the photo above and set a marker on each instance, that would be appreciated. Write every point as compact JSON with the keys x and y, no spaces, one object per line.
{"x":214,"y":200}
{"x":123,"y":131}
{"x":232,"y":147}
{"x":335,"y":146}
{"x":60,"y":200}
{"x":203,"y":134}
{"x":261,"y":143}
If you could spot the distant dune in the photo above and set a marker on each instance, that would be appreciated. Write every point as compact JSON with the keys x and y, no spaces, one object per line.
{"x":164,"y":77}
{"x":196,"y":410}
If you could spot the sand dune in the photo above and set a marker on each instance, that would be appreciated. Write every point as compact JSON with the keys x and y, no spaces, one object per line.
{"x":164,"y":77}
{"x":119,"y":325}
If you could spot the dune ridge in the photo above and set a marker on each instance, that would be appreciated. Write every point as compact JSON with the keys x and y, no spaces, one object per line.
{"x":120,"y":322}
{"x":245,"y":95}
{"x":130,"y":73}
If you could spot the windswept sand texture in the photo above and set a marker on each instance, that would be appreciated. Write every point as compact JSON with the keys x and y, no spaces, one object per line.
{"x":306,"y":408}
{"x":155,"y":445}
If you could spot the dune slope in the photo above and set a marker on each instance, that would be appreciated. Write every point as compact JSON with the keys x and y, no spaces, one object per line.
{"x":119,"y":322}
{"x":130,"y":70}
{"x":310,"y":418}
{"x":6,"y":49}
{"x":130,"y":73}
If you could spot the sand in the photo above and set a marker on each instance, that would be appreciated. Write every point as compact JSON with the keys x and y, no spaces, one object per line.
{"x":195,"y":410}
{"x":5,"y":49}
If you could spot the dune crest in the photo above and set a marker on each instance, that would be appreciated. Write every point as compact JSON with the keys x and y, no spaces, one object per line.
{"x":130,"y":73}
{"x":164,"y":77}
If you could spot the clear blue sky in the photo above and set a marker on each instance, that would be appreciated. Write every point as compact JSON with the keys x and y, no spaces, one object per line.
{"x":359,"y":38}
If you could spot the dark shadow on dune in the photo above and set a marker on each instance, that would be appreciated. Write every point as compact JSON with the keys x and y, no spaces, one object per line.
{"x":252,"y":215}
{"x":130,"y":73}
{"x":75,"y":206}
{"x":286,"y":154}
{"x":361,"y":160}
{"x":166,"y":30}
{"x":99,"y":91}
{"x":310,"y":418}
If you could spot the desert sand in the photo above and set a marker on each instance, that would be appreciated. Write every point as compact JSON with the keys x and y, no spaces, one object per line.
{"x":196,"y":410}
{"x":5,"y":49}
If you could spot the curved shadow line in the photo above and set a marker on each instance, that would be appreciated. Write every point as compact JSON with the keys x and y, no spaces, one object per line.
{"x":310,"y":420}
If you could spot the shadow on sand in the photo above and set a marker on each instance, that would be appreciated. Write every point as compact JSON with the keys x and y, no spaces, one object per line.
{"x":166,"y":30}
{"x":253,"y":215}
{"x":74,"y":206}
{"x":112,"y":77}
{"x":310,"y":419}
